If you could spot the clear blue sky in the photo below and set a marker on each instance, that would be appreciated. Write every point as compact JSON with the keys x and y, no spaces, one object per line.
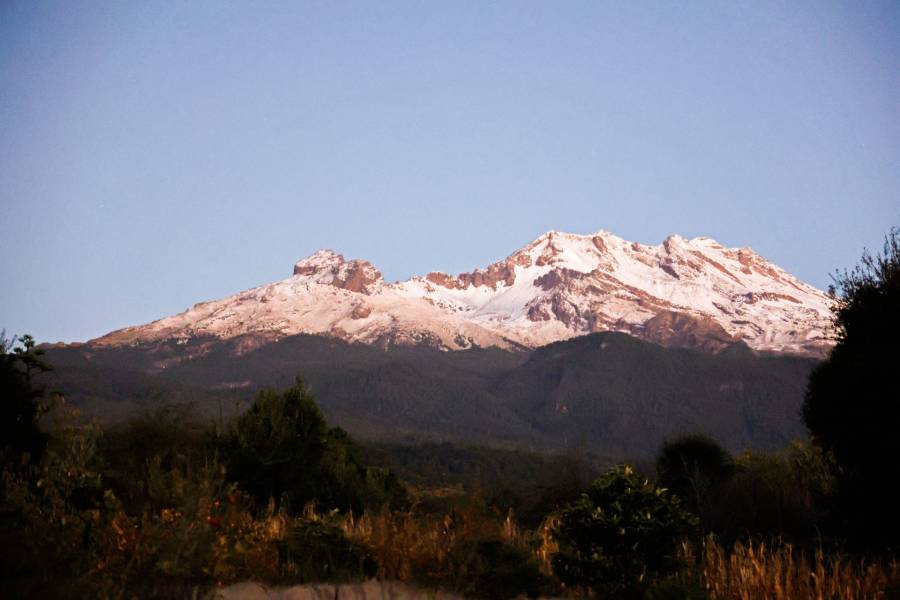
{"x":157,"y":154}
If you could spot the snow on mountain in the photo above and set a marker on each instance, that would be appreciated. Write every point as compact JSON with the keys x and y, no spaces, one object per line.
{"x":693,"y":293}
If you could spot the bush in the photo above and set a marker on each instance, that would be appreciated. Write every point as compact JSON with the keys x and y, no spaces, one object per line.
{"x":146,"y":459}
{"x":494,"y":570}
{"x":55,"y":515}
{"x":315,"y":550}
{"x":621,"y":535}
{"x":783,"y":494}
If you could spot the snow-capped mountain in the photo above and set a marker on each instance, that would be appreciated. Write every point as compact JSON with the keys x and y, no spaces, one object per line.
{"x":694,"y":293}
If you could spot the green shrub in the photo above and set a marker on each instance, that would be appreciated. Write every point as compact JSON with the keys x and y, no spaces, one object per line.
{"x":283,"y":449}
{"x":621,"y":535}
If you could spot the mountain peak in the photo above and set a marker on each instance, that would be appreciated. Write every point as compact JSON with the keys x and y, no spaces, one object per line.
{"x":320,"y":260}
{"x":330,"y":268}
{"x":692,"y":292}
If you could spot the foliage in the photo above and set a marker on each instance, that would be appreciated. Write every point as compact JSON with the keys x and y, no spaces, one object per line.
{"x":852,"y":406}
{"x":21,"y":399}
{"x":315,"y":549}
{"x":622,"y":534}
{"x":623,"y":396}
{"x":162,"y":507}
{"x":684,"y":586}
{"x":694,"y":467}
{"x":467,"y":550}
{"x":54,"y":516}
{"x":775,"y":494}
{"x":145,"y":510}
{"x":529,"y":483}
{"x":147,"y":459}
{"x":283,"y":449}
{"x":494,"y":570}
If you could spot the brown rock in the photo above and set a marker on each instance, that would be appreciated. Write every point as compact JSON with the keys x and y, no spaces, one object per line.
{"x":356,"y":276}
{"x":361,"y":311}
{"x":557,"y":277}
{"x":681,"y":330}
{"x":444,"y":280}
{"x":754,"y":297}
{"x":537,"y":312}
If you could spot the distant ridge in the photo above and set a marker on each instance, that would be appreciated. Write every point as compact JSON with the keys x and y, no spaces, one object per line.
{"x":608,"y":392}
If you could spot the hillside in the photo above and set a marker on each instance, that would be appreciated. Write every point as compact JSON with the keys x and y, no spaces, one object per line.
{"x":608,"y":392}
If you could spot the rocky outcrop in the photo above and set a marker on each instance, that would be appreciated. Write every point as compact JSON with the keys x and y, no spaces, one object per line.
{"x":326,"y":266}
{"x":357,"y":276}
{"x":500,"y":272}
{"x":682,"y":330}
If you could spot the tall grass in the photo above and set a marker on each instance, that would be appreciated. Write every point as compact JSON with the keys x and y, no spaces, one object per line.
{"x":759,"y":571}
{"x":407,"y":544}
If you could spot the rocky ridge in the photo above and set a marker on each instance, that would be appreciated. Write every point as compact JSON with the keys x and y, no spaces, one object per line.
{"x":686,"y":293}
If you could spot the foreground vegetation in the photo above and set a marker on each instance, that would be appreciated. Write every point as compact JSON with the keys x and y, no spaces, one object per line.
{"x":166,"y":507}
{"x":155,"y":509}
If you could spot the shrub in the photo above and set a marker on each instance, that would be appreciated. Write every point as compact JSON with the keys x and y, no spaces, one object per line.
{"x":622,"y":534}
{"x":54,"y":518}
{"x":494,"y":570}
{"x":315,"y":549}
{"x":776,"y":494}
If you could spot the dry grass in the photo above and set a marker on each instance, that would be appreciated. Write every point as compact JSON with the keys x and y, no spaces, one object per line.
{"x":764,"y":572}
{"x":405,"y":543}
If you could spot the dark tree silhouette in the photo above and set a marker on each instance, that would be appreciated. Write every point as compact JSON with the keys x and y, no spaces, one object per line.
{"x":282,"y":448}
{"x":21,"y":399}
{"x":693,"y":467}
{"x":852,"y":405}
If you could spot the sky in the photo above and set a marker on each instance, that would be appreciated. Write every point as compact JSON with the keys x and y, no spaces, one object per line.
{"x":158,"y":154}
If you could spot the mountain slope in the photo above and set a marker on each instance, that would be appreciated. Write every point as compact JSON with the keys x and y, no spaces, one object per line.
{"x":609,"y":392}
{"x":628,"y":395}
{"x":683,"y":293}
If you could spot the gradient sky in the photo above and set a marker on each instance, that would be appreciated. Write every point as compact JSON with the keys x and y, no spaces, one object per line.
{"x":158,"y":154}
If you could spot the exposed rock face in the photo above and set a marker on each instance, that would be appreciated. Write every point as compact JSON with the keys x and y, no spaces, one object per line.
{"x":357,"y":276}
{"x":444,"y":280}
{"x":681,"y":330}
{"x":329,"y":267}
{"x":688,"y":293}
{"x":361,"y":311}
{"x":500,"y":272}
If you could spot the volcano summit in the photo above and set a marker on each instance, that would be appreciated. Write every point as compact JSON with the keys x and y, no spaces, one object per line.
{"x":692,"y":293}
